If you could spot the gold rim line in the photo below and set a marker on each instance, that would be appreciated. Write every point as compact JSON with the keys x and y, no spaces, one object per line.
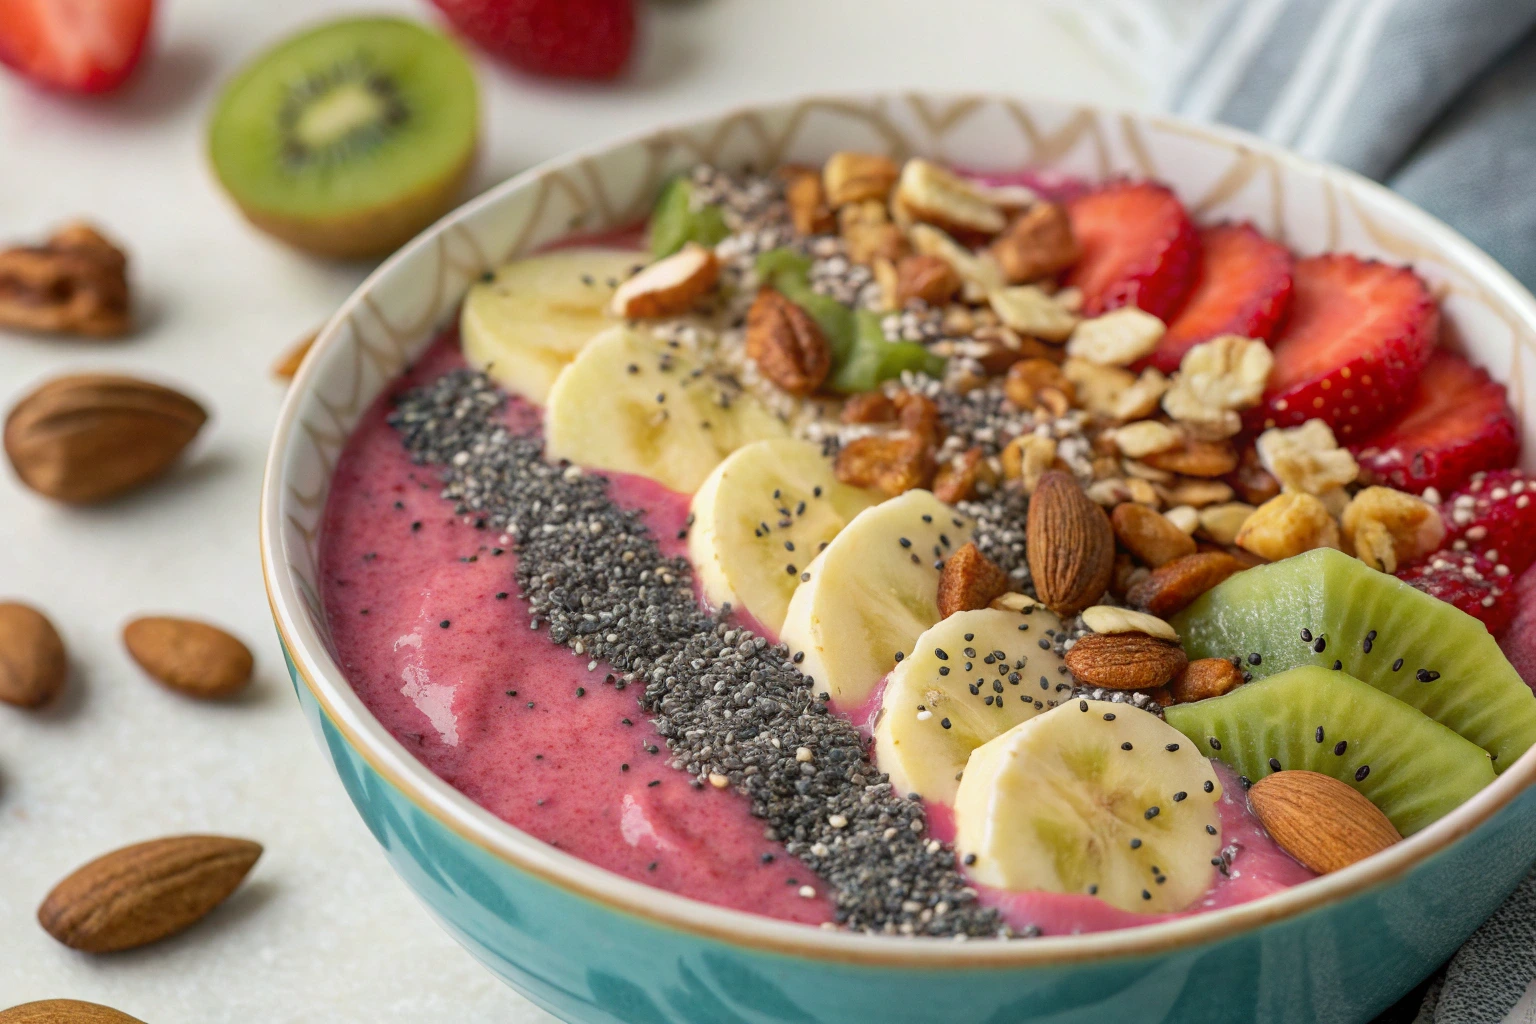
{"x":457,"y":813}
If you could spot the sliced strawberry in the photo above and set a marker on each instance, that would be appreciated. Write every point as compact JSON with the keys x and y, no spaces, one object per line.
{"x":1357,"y":336}
{"x":1242,"y":286}
{"x":1466,"y":580}
{"x":1519,"y":640}
{"x":1494,"y":516}
{"x":1139,"y":248}
{"x":1457,"y":423}
{"x":76,"y":45}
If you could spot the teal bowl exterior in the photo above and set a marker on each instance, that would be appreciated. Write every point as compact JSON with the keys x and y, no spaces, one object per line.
{"x":589,"y":963}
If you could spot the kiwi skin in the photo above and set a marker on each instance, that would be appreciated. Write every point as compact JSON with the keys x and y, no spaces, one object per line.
{"x":370,"y":234}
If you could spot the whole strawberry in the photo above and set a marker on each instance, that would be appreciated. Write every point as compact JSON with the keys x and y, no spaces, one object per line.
{"x":559,"y":38}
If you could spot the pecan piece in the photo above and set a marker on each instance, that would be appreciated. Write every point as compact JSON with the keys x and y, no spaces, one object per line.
{"x":786,"y":344}
{"x":925,"y":277}
{"x":1029,"y":380}
{"x":1205,"y":677}
{"x":956,"y":479}
{"x":1124,"y":661}
{"x":1037,"y":243}
{"x":868,"y":407}
{"x":1172,"y":587}
{"x":970,"y":580}
{"x":893,"y":463}
{"x":919,"y":415}
{"x":77,"y":283}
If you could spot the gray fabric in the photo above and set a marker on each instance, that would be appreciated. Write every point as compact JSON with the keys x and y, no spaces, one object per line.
{"x":1437,"y":98}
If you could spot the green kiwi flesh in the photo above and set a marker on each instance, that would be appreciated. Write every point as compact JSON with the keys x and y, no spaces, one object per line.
{"x":1413,"y":768}
{"x":675,"y":222}
{"x":349,"y":138}
{"x":1324,"y":607}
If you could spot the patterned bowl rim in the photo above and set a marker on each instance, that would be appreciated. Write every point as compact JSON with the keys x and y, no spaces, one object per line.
{"x":456,"y":812}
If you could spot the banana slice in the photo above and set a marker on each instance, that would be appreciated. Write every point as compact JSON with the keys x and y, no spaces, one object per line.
{"x":1092,"y":797}
{"x":968,"y":680}
{"x":626,"y":403}
{"x":524,"y":325}
{"x":871,"y":593}
{"x":760,"y":518}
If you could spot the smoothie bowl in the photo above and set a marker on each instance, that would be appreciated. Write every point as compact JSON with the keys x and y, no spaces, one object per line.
{"x":905,"y":558}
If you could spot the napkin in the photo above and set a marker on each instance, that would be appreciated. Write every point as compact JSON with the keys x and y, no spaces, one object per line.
{"x":1437,"y":99}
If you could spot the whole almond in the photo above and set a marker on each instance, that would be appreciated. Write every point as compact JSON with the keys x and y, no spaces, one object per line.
{"x":1196,"y":458}
{"x":1150,"y":535}
{"x":1124,"y":661}
{"x":1069,"y":543}
{"x":90,"y":437}
{"x":198,"y":659}
{"x":142,"y":893}
{"x":65,"y":1011}
{"x":1205,"y":677}
{"x":1322,"y":822}
{"x":1173,"y":586}
{"x":32,"y":659}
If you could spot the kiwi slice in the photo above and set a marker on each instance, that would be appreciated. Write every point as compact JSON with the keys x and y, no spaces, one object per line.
{"x":348,"y":139}
{"x":675,"y":221}
{"x":1413,"y":768}
{"x":1325,"y":608}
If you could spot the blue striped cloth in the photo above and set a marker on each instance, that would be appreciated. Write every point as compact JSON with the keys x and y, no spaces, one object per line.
{"x":1437,"y":99}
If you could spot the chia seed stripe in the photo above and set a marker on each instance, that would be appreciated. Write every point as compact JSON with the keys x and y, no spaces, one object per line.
{"x":727,"y":702}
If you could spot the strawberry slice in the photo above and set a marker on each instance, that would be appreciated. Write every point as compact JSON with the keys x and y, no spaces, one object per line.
{"x":1457,"y":423}
{"x":1494,"y":516}
{"x":1138,"y":248}
{"x":1466,"y":580}
{"x":83,"y":46}
{"x":1358,"y":334}
{"x":1242,"y":286}
{"x":1519,"y":640}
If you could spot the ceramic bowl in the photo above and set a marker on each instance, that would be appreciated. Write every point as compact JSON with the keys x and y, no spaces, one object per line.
{"x":594,"y":947}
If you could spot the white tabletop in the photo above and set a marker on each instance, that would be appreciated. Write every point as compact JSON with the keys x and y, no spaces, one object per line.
{"x":322,"y":930}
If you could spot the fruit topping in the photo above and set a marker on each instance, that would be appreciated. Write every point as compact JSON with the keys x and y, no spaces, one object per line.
{"x":559,"y":38}
{"x":77,"y":47}
{"x":679,"y":218}
{"x":1318,"y":820}
{"x":1326,"y":609}
{"x":1519,"y":641}
{"x":1242,"y":287}
{"x":347,"y":139}
{"x":1415,"y":769}
{"x":1456,"y":423}
{"x":1138,"y":249}
{"x":1358,"y":334}
{"x":1493,"y":515}
{"x":760,"y":518}
{"x":1092,"y":797}
{"x":865,"y":599}
{"x":969,"y":679}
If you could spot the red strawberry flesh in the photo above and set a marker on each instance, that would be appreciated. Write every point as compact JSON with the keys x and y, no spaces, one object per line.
{"x":1519,"y":640}
{"x":1457,"y":423}
{"x":1242,"y":286}
{"x":1495,"y":517}
{"x":85,"y":46}
{"x":557,"y":38}
{"x":1357,"y":336}
{"x":1138,"y":248}
{"x":1469,"y":582}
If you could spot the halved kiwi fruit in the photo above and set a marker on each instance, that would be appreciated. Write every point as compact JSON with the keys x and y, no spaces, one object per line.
{"x":1325,"y":608}
{"x":348,"y":139}
{"x":1413,"y":768}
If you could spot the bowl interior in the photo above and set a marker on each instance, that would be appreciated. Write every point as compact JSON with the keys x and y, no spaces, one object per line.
{"x":1219,"y":175}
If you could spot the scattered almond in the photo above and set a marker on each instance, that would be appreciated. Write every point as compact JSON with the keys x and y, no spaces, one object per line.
{"x":1195,"y":458}
{"x":1205,"y":678}
{"x":1039,"y":242}
{"x":850,"y":177}
{"x":65,"y":1011}
{"x":1322,"y":822}
{"x":969,"y":580}
{"x":1252,"y":482}
{"x":936,"y":195}
{"x":86,"y":438}
{"x":1105,"y":618}
{"x":1124,"y":661}
{"x":1070,"y":543}
{"x":1196,"y":492}
{"x":1146,"y":437}
{"x":1185,"y":517}
{"x":928,"y":278}
{"x":1150,"y":535}
{"x":1173,"y":586}
{"x":669,"y":286}
{"x":786,"y":344}
{"x":807,"y":201}
{"x":1222,"y":523}
{"x":287,"y":365}
{"x":33,"y":664}
{"x":140,"y":894}
{"x":193,"y":657}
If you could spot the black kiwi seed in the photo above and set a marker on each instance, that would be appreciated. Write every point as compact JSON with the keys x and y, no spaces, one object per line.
{"x":1362,"y":772}
{"x":1320,"y":645}
{"x":1274,"y":764}
{"x":1306,"y":636}
{"x":1214,"y":742}
{"x":1340,"y":747}
{"x":1397,"y":665}
{"x":1319,"y":734}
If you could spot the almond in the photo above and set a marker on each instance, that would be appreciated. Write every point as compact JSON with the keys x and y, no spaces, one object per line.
{"x":1037,"y":243}
{"x":970,"y":580}
{"x":1106,"y":618}
{"x":89,"y":437}
{"x":807,"y":201}
{"x":65,"y":1011}
{"x":669,"y":286}
{"x":1204,"y":678}
{"x":786,"y":344}
{"x":1070,"y":544}
{"x":1173,"y":586}
{"x":850,"y":177}
{"x":287,"y":365}
{"x":936,"y":195}
{"x":193,"y":657}
{"x":1124,"y":661}
{"x":142,"y":893}
{"x":1195,"y":458}
{"x":1150,"y":535}
{"x":927,"y":278}
{"x":32,"y":660}
{"x":1322,"y":822}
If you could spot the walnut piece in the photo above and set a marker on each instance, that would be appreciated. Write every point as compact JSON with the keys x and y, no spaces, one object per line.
{"x":868,"y":407}
{"x":868,"y":233}
{"x":1026,"y":458}
{"x":76,"y":283}
{"x":1038,"y":243}
{"x":1029,"y":310}
{"x":1389,"y":528}
{"x":1307,"y":458}
{"x":936,"y":195}
{"x":956,"y":479}
{"x":786,"y":344}
{"x":1215,"y":379}
{"x":1118,"y":338}
{"x":979,"y":271}
{"x":1029,"y":380}
{"x":1286,"y":525}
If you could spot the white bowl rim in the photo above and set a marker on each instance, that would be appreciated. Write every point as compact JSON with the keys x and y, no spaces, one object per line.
{"x":458,"y":813}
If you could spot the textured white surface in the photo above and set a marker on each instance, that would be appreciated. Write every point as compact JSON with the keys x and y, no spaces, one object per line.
{"x":322,"y":931}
